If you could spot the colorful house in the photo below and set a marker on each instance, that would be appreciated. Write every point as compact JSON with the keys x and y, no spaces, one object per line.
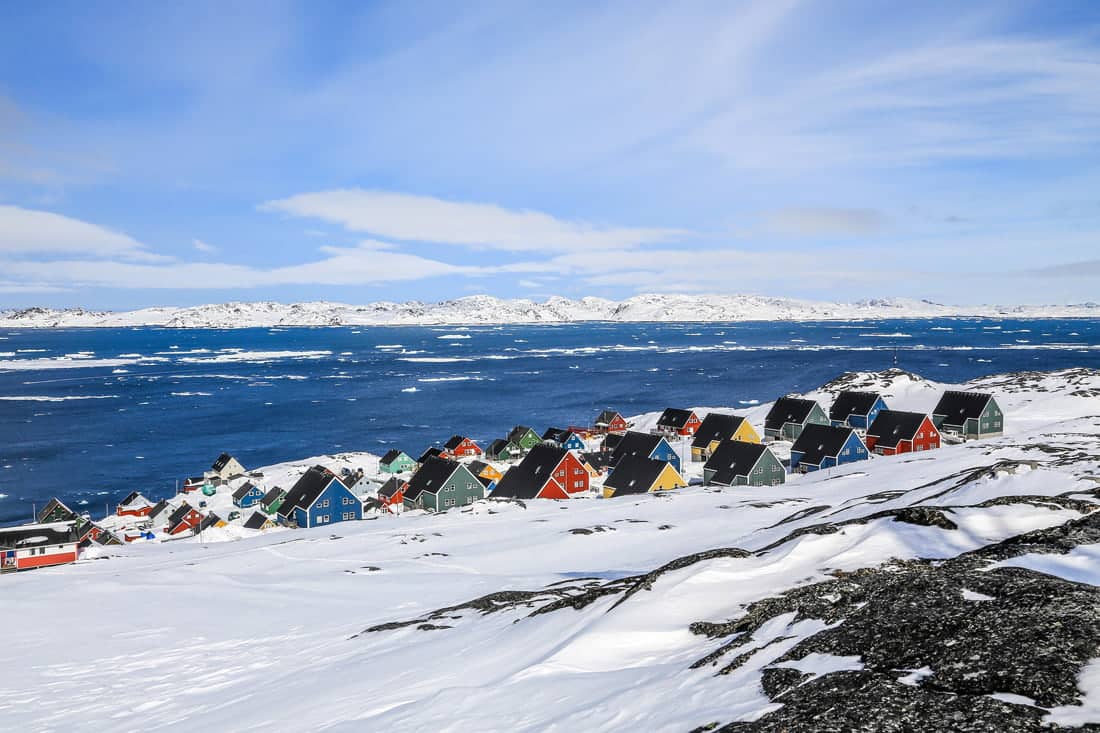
{"x":192,"y":483}
{"x":789,"y":415}
{"x":563,"y":439}
{"x":184,"y":519}
{"x":442,"y":484}
{"x":610,"y":421}
{"x":396,"y":461}
{"x":825,"y":446}
{"x":391,"y":495}
{"x":272,"y":500}
{"x":488,"y":475}
{"x":676,"y":422}
{"x":968,"y":414}
{"x":32,"y":546}
{"x":895,"y":431}
{"x":429,"y":454}
{"x":249,"y":494}
{"x":134,"y":505}
{"x":258,"y":521}
{"x":524,"y":437}
{"x":210,"y":521}
{"x":717,"y":428}
{"x":459,"y":446}
{"x":597,"y":462}
{"x":502,"y":449}
{"x":547,"y":472}
{"x":226,"y":467}
{"x":638,"y":475}
{"x":645,"y":445}
{"x":159,"y":510}
{"x":856,"y":409}
{"x":741,"y":463}
{"x":318,"y":498}
{"x":56,"y":511}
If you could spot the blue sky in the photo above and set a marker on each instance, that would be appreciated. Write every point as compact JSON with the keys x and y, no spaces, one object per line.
{"x":180,"y":153}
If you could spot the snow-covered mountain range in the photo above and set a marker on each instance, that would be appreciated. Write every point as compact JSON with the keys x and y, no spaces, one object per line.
{"x":485,"y":309}
{"x":949,"y":590}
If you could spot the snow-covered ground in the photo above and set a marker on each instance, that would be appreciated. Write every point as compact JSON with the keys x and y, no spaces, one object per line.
{"x":268,"y":631}
{"x":476,"y":309}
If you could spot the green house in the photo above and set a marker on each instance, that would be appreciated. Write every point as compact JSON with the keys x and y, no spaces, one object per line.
{"x":396,"y":461}
{"x":740,"y":463}
{"x":55,"y":511}
{"x":969,"y":414}
{"x":789,"y":415}
{"x":442,"y":484}
{"x":272,"y":500}
{"x":503,"y":449}
{"x":524,"y":437}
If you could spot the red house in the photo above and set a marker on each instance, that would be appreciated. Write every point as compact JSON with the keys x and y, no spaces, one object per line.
{"x":38,"y":546}
{"x":674,"y":421}
{"x":610,"y":421}
{"x":547,"y":472}
{"x":184,"y":519}
{"x":460,"y":447}
{"x":391,"y":495}
{"x":134,"y":505}
{"x":193,"y":483}
{"x":895,"y":431}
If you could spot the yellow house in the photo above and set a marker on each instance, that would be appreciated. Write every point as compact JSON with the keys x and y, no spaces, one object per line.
{"x":481,"y":469}
{"x":641,"y":475}
{"x":716,"y":428}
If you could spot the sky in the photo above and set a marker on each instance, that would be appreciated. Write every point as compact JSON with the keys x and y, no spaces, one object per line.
{"x":185,"y":153}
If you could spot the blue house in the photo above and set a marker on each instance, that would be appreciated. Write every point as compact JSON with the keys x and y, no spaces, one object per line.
{"x":645,"y":445}
{"x":319,"y":498}
{"x":825,"y":446}
{"x":563,"y":439}
{"x":856,"y":409}
{"x":248,"y":495}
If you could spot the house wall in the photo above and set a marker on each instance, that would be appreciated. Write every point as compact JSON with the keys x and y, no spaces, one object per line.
{"x":335,"y":504}
{"x":462,"y":489}
{"x":768,"y":471}
{"x":50,"y":555}
{"x":665,"y":452}
{"x":854,"y":450}
{"x":991,"y":421}
{"x":669,"y":478}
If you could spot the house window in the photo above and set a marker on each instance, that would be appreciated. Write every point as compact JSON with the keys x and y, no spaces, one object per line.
{"x":323,"y":518}
{"x":920,"y":435}
{"x":578,"y":471}
{"x":324,"y":504}
{"x":578,"y":484}
{"x":451,"y":487}
{"x":449,"y":502}
{"x":561,"y":473}
{"x":469,"y":500}
{"x":347,"y":516}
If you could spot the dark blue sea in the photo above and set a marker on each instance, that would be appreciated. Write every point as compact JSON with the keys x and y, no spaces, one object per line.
{"x":90,"y":414}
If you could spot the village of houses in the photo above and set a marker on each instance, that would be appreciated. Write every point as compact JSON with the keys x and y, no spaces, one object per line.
{"x":607,"y":459}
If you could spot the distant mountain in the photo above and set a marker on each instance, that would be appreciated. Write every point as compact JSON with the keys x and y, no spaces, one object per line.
{"x":485,"y":309}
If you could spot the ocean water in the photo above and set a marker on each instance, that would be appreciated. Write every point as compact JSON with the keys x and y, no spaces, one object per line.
{"x":91,"y":414}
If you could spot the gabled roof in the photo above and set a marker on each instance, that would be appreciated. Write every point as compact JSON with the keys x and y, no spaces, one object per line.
{"x":818,"y":442}
{"x":37,"y":535}
{"x":133,"y":497}
{"x":636,"y":444}
{"x":210,"y":520}
{"x":53,"y":504}
{"x":557,"y":435}
{"x":429,"y":453}
{"x":606,"y":417}
{"x":852,"y":403}
{"x":597,"y":459}
{"x":476,"y":467}
{"x":454,"y":442}
{"x":179,"y":514}
{"x":518,"y":432}
{"x":525,"y":480}
{"x":242,"y":492}
{"x":256,"y":521}
{"x":788,"y":409}
{"x":674,"y":417}
{"x":892,"y":426}
{"x":222,"y":462}
{"x":958,"y":407}
{"x":391,"y":455}
{"x":733,"y":458}
{"x":497,"y":446}
{"x":634,"y":475}
{"x":306,"y":490}
{"x":611,"y":441}
{"x":431,"y":477}
{"x":716,"y":426}
{"x":272,"y":495}
{"x":391,"y":487}
{"x":160,"y":507}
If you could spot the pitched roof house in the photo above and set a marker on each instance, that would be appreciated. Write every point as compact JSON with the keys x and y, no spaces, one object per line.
{"x":789,"y":415}
{"x":134,"y":505}
{"x":318,"y":498}
{"x":896,"y":431}
{"x":29,"y":546}
{"x":969,"y":414}
{"x":273,"y":499}
{"x":184,"y":519}
{"x":674,"y":421}
{"x":502,"y":449}
{"x":645,"y":445}
{"x":226,"y":467}
{"x":459,"y":446}
{"x":429,"y":453}
{"x":396,"y":461}
{"x":391,"y":495}
{"x":856,"y":409}
{"x":487,"y":473}
{"x":740,"y":463}
{"x":610,"y":421}
{"x":640,"y":475}
{"x":258,"y":520}
{"x":441,"y":484}
{"x":717,"y":427}
{"x":55,"y":511}
{"x":524,"y":437}
{"x":563,"y":438}
{"x":825,"y":446}
{"x":547,"y":472}
{"x":248,"y":494}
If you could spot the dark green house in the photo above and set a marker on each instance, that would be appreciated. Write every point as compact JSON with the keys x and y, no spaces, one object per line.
{"x":503,"y":449}
{"x":789,"y":415}
{"x":524,"y":437}
{"x":968,"y":414}
{"x":442,"y":484}
{"x":739,"y":463}
{"x":272,"y":500}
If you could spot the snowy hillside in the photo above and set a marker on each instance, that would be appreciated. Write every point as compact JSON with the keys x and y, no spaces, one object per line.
{"x":950,"y":590}
{"x":487,"y":309}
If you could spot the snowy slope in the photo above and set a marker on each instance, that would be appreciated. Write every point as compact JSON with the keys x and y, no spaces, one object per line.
{"x":270,"y":631}
{"x":487,"y":309}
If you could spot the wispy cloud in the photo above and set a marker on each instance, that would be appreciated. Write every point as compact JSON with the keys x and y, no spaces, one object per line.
{"x":204,"y":247}
{"x":34,"y":232}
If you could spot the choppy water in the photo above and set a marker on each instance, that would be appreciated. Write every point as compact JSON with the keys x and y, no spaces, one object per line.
{"x":91,"y":414}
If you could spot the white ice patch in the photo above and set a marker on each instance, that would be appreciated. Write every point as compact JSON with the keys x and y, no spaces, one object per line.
{"x":1088,"y":682}
{"x":915,"y":676}
{"x":236,"y":355}
{"x":434,"y":359}
{"x":1079,"y":565}
{"x":454,"y":336}
{"x":46,"y":398}
{"x":970,"y":595}
{"x":817,"y":664}
{"x":410,"y":389}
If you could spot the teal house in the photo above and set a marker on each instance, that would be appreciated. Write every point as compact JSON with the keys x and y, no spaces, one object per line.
{"x":396,"y":461}
{"x":442,"y":484}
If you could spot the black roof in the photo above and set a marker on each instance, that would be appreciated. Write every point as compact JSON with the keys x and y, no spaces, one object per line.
{"x":210,"y":520}
{"x":454,"y":442}
{"x":890,"y":426}
{"x":525,"y":480}
{"x":306,"y":490}
{"x":611,"y":441}
{"x":178,"y":515}
{"x":37,"y":535}
{"x":605,"y":417}
{"x":497,"y":446}
{"x":476,"y":467}
{"x":391,"y":487}
{"x":634,"y":475}
{"x":788,"y":409}
{"x":820,"y":441}
{"x":272,"y":495}
{"x":160,"y":507}
{"x":958,"y":407}
{"x":733,"y":458}
{"x":131,"y":497}
{"x":242,"y":492}
{"x":852,"y":403}
{"x":518,"y":432}
{"x":391,"y":455}
{"x":430,"y":453}
{"x":256,"y":521}
{"x":431,"y":477}
{"x":557,"y":435}
{"x":636,"y":444}
{"x":597,"y":459}
{"x":222,"y":461}
{"x":716,"y":426}
{"x":674,"y":417}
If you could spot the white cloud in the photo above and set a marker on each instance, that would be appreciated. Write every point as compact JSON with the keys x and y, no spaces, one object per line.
{"x":202,"y":246}
{"x":426,"y":219}
{"x":29,"y":231}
